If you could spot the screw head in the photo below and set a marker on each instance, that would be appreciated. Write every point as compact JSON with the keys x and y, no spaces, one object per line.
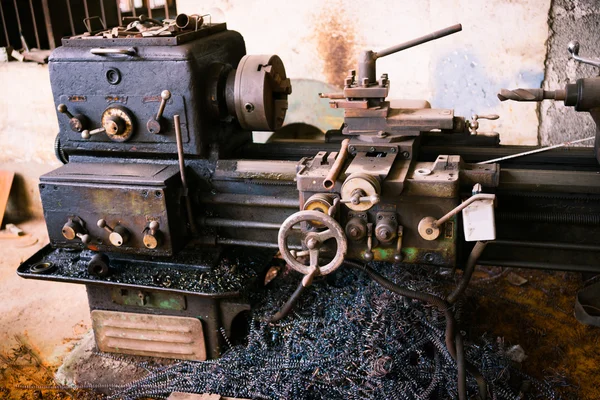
{"x":406,"y":154}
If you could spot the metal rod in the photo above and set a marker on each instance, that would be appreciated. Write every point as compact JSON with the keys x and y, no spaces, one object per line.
{"x":547,"y":245}
{"x":132,"y":5}
{"x":149,"y":8}
{"x":18,"y":17}
{"x":4,"y":25}
{"x":253,"y":243}
{"x":71,"y":17}
{"x":526,"y":153}
{"x":415,"y":42}
{"x":181,"y":159}
{"x":252,"y":201}
{"x":119,"y":16}
{"x":85,"y":8}
{"x":48,"y":23}
{"x":235,"y":223}
{"x":35,"y":29}
{"x":336,"y":168}
{"x":103,"y":12}
{"x":166,"y":9}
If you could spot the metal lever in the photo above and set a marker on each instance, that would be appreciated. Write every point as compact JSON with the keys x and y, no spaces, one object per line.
{"x":76,"y":122}
{"x":85,"y":134}
{"x":474,"y":123}
{"x":366,"y":59}
{"x":429,"y":227}
{"x":119,"y":235}
{"x":153,"y":124}
{"x":573,"y":49}
{"x":357,"y":199}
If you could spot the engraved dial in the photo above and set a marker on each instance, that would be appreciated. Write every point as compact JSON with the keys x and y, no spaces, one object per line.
{"x":118,"y":123}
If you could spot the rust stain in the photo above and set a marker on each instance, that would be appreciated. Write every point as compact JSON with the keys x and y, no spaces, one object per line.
{"x":77,"y":99}
{"x":336,"y":43}
{"x":116,"y":99}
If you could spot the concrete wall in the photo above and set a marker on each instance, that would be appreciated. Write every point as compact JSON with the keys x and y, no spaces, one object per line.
{"x":28,"y":127}
{"x":569,"y":20}
{"x":503,"y":44}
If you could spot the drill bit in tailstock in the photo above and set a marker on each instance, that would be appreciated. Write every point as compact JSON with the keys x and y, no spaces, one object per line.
{"x":347,"y":339}
{"x":531,"y":94}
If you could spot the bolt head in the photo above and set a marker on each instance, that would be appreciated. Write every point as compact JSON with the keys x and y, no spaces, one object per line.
{"x":405,"y":154}
{"x":311,"y":243}
{"x":384,"y":233}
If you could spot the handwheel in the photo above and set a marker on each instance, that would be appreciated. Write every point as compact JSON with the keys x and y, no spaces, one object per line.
{"x":313,"y":240}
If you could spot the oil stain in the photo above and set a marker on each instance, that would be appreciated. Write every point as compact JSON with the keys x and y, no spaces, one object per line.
{"x":336,"y":43}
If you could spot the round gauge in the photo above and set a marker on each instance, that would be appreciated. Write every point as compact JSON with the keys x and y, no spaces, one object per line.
{"x":118,"y":123}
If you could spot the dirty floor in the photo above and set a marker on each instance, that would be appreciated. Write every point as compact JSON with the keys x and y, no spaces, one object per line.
{"x":40,"y":322}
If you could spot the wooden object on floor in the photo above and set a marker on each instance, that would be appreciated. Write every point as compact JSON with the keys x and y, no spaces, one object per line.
{"x":6,"y":178}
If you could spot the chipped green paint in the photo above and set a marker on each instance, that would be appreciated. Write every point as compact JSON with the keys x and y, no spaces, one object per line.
{"x":164,"y":301}
{"x":409,"y":254}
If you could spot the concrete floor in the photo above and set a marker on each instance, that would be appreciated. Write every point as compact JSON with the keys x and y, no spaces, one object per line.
{"x":49,"y":316}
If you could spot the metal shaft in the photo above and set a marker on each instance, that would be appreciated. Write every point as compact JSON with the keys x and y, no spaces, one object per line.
{"x":181,"y":159}
{"x":420,"y":40}
{"x":531,"y":94}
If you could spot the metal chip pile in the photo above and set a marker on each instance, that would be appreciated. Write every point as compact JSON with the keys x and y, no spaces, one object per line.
{"x":347,"y":339}
{"x":227,"y":276}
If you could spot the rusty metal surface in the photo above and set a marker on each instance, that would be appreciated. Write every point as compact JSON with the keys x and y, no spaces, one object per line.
{"x":126,"y":197}
{"x":149,"y":335}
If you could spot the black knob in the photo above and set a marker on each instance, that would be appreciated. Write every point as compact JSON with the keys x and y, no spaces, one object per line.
{"x":99,"y":265}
